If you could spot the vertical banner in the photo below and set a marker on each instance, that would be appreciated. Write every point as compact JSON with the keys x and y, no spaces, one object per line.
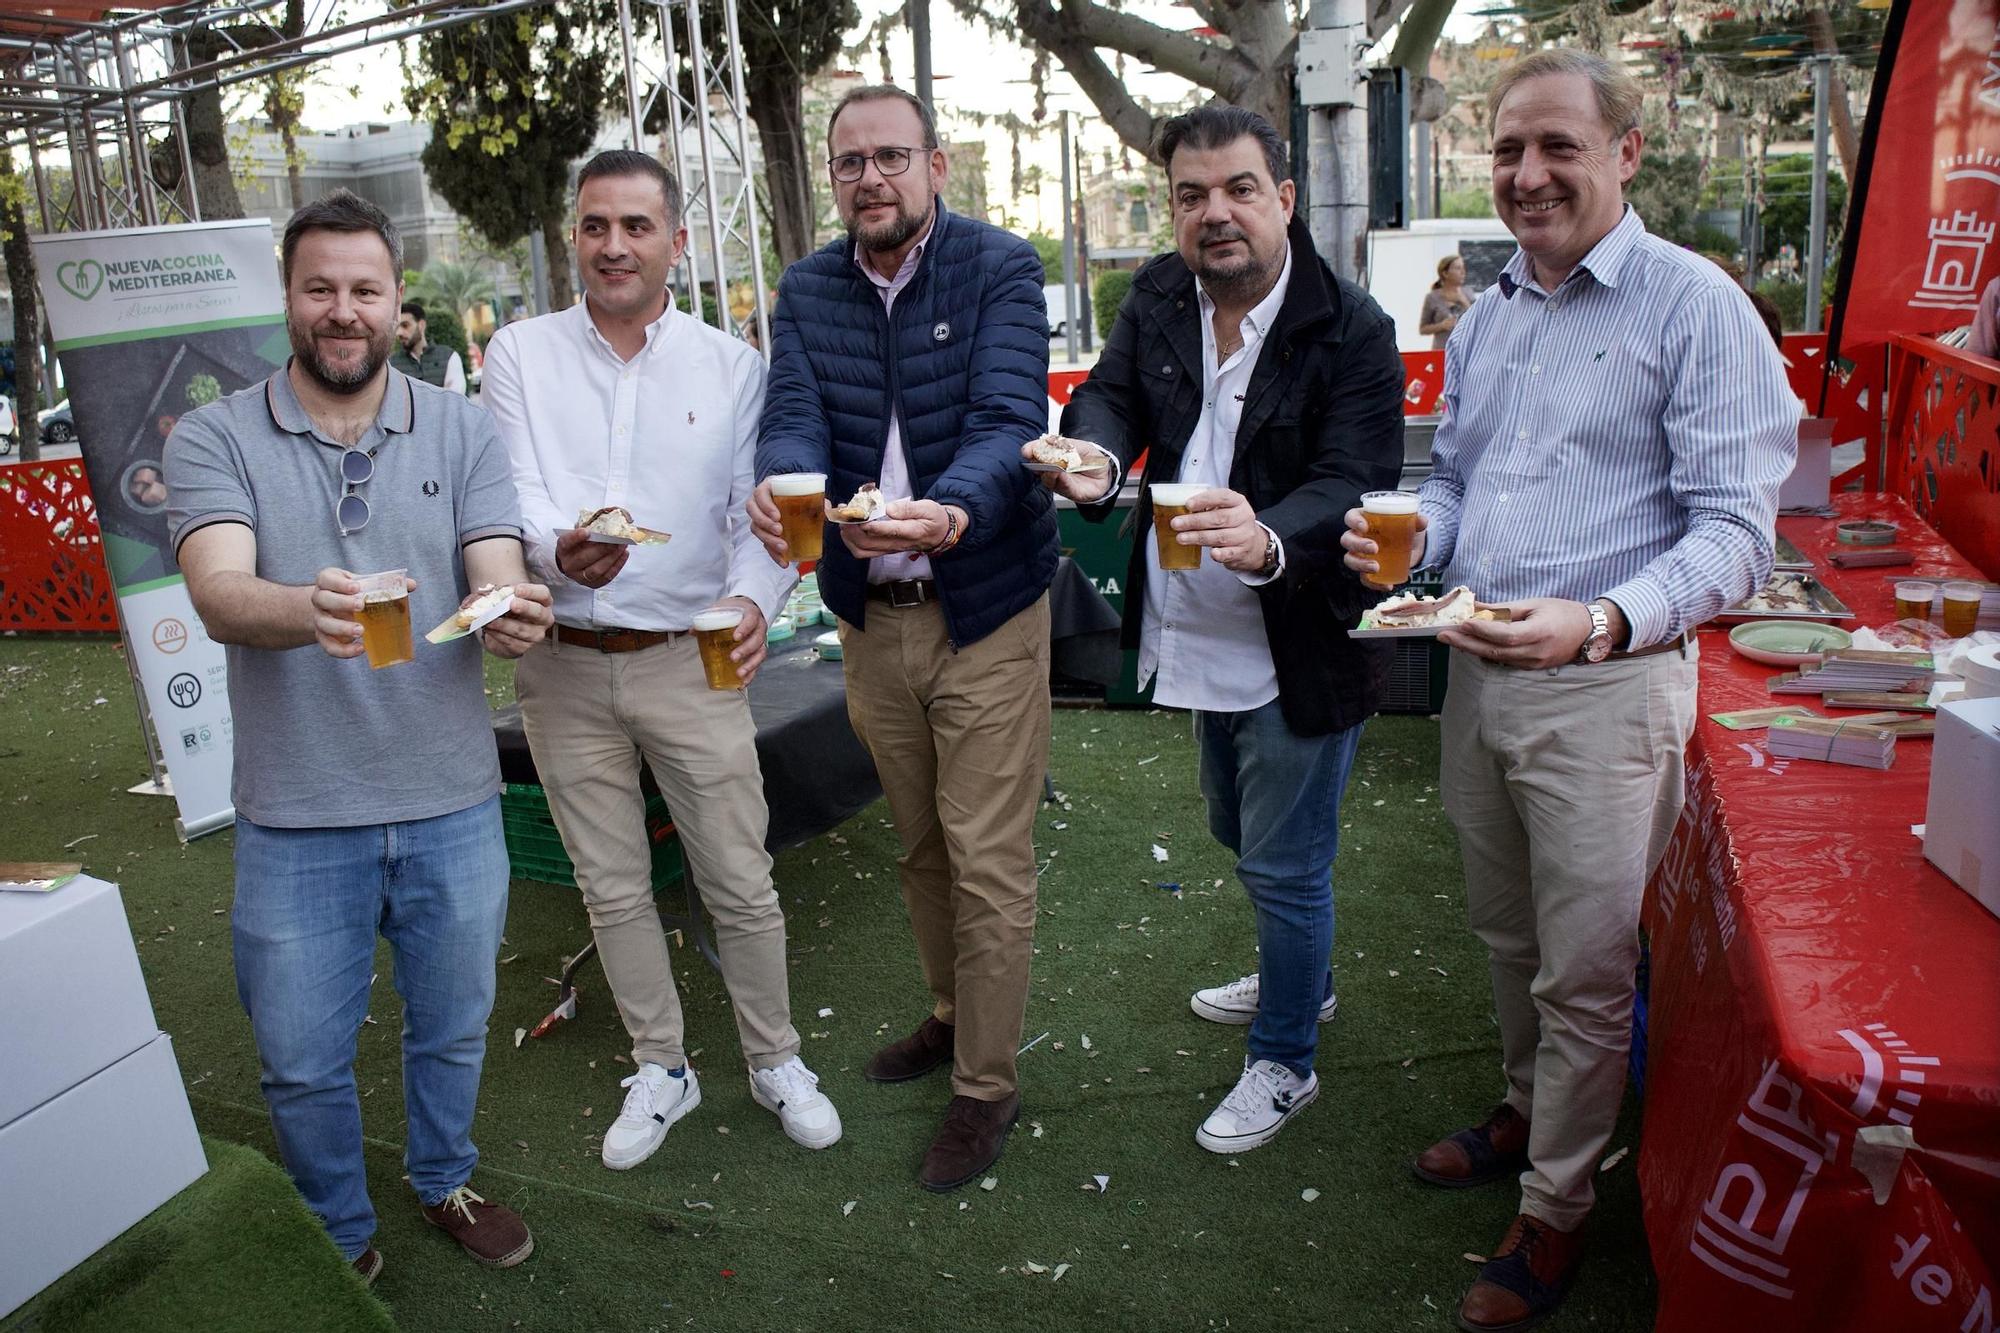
{"x":1926,"y":203}
{"x":150,"y":323}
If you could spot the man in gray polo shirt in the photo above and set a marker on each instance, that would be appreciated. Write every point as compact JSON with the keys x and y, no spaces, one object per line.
{"x":366,"y":799}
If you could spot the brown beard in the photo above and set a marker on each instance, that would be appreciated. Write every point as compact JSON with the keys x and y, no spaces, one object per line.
{"x":306,"y":350}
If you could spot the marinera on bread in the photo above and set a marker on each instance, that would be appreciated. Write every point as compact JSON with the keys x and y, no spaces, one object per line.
{"x":866,"y":504}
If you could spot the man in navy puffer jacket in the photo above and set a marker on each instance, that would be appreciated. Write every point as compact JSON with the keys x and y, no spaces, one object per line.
{"x":914,"y":355}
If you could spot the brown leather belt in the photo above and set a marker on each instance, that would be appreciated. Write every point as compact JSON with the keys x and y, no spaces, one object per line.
{"x":1684,"y":637}
{"x":615,"y":640}
{"x":904,"y":592}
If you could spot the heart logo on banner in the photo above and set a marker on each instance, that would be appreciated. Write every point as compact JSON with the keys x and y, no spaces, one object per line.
{"x":81,"y":278}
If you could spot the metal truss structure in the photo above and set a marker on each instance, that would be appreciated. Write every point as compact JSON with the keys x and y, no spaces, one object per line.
{"x":102,"y":89}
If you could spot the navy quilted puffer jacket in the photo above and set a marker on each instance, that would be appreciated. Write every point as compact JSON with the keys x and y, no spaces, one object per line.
{"x":964,"y":363}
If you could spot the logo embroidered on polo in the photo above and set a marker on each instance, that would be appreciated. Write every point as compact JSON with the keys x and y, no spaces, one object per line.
{"x":940,"y":332}
{"x":690,"y":418}
{"x":430,"y":488}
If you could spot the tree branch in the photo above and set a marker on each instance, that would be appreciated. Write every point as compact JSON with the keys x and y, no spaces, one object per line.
{"x":1133,"y":124}
{"x":1086,"y":25}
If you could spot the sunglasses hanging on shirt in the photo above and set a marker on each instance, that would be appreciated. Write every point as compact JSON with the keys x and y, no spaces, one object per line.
{"x":350,"y":512}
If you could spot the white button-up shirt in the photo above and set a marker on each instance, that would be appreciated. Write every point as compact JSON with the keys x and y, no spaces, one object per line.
{"x":670,"y":435}
{"x":1202,"y":636}
{"x":895,"y":482}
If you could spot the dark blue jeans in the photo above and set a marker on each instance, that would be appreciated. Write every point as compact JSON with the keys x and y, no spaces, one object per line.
{"x":309,"y":903}
{"x":1274,"y":800}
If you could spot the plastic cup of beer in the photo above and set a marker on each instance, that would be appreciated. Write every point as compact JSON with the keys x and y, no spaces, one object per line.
{"x":715,"y":635}
{"x":385,"y":618}
{"x":1914,"y":598}
{"x":1170,"y":501}
{"x":1961,"y":608}
{"x":801,"y":499}
{"x":1392,"y":526}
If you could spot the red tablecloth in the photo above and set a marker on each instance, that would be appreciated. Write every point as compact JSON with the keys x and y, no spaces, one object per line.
{"x":1813,"y":976}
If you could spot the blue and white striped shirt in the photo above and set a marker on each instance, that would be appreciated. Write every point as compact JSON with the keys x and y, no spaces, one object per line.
{"x":1622,"y":437}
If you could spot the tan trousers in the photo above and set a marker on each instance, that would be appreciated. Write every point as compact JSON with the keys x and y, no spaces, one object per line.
{"x":1564,"y":785}
{"x":590,"y":718}
{"x":961,"y":741}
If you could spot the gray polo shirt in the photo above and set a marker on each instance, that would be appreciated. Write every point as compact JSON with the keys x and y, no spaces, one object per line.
{"x":323,"y":742}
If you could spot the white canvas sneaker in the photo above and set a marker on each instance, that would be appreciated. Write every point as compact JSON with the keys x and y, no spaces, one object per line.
{"x":791,"y":1092}
{"x":656,"y":1099}
{"x":1236,"y":1003}
{"x":1255,"y":1110}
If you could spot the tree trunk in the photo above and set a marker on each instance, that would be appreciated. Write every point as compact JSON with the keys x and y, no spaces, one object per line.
{"x":777,"y":109}
{"x":208,"y":139}
{"x":283,"y":113}
{"x":555,"y":241}
{"x":27,"y":323}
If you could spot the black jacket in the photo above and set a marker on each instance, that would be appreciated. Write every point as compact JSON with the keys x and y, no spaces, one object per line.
{"x":1322,"y":424}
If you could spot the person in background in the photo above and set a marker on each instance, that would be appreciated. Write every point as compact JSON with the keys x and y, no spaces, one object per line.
{"x":1984,"y":340}
{"x":1616,"y":427}
{"x":1445,"y":301}
{"x":421,"y":359}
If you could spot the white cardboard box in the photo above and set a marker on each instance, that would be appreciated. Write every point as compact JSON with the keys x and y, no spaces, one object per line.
{"x":77,"y":1171}
{"x":1962,"y":818}
{"x":1810,"y":485}
{"x":72,"y":999}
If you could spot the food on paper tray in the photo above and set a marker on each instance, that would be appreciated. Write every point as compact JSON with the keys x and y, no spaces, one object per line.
{"x":866,"y":504}
{"x":1053,"y":452}
{"x":489,"y":598}
{"x":613,"y":523}
{"x":1411,"y":611}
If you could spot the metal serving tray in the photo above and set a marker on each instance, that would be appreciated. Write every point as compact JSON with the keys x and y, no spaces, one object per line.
{"x":1790,"y":558}
{"x":1823,"y":604}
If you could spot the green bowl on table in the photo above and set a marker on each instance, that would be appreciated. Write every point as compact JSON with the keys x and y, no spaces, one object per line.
{"x":1787,"y":642}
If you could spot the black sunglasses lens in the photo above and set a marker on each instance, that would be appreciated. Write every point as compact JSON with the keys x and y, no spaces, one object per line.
{"x":352,"y":513}
{"x":356,"y":467}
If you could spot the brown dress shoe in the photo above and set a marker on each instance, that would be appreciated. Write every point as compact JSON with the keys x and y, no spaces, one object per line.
{"x":491,"y":1233}
{"x":1525,"y":1280}
{"x":1487,"y":1152}
{"x":368,"y":1264}
{"x":970,"y":1141}
{"x":915,"y":1055}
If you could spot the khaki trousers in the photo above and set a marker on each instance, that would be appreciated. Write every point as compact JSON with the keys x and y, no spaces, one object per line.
{"x":1564,"y":785}
{"x":590,"y":718}
{"x":961,"y":741}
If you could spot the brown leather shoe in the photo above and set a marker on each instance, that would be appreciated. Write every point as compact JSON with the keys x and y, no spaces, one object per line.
{"x":491,"y":1233}
{"x":970,"y":1141}
{"x":1525,"y":1280}
{"x":914,"y":1056}
{"x":368,"y":1264}
{"x":1491,"y":1151}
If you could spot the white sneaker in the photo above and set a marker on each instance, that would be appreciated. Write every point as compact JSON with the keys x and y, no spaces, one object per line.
{"x":655,"y":1101}
{"x":791,"y":1092}
{"x":1262,"y":1101}
{"x":1236,"y":1003}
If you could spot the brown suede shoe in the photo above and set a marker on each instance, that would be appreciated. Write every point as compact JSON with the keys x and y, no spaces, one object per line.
{"x":1525,"y":1280}
{"x":491,"y":1233}
{"x":914,"y":1056}
{"x":970,"y":1141}
{"x":1487,"y":1152}
{"x":368,"y":1264}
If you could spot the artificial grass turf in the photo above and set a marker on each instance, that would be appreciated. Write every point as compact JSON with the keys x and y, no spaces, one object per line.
{"x":732,"y":1226}
{"x":236,"y":1252}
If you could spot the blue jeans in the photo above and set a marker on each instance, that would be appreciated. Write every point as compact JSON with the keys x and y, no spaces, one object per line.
{"x":309,"y":903}
{"x":1274,"y":800}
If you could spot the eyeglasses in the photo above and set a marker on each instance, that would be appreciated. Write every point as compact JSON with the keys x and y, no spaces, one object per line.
{"x":350,"y":512}
{"x":848,"y":167}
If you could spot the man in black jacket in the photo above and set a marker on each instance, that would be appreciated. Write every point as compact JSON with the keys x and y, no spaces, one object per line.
{"x":1243,"y":367}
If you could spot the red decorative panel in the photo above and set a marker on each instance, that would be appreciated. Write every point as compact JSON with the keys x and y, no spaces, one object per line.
{"x":1853,"y":400}
{"x":52,"y":574}
{"x":1944,"y":443}
{"x":1423,"y":382}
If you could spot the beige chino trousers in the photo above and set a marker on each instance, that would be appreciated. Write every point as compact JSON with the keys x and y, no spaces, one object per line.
{"x":590,"y":718}
{"x":961,"y":742}
{"x":1564,"y":785}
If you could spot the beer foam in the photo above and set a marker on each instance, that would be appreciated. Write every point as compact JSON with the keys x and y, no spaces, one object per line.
{"x":376,"y":596}
{"x":725,"y":618}
{"x":1389,"y":502}
{"x":799,"y":483}
{"x":1176,"y":493}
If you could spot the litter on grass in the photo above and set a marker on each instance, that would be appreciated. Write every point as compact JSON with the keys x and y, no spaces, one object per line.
{"x":1159,"y":852}
{"x":826,"y":1013}
{"x":520,"y":1035}
{"x":990,"y":1183}
{"x":847,"y":1209}
{"x":1309,"y":1194}
{"x":1103,"y":1184}
{"x":1060,"y":1270}
{"x":1614,"y":1159}
{"x":1086,"y":1041}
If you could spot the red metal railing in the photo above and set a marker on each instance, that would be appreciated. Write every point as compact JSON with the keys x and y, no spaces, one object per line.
{"x":1944,"y":443}
{"x":52,"y":574}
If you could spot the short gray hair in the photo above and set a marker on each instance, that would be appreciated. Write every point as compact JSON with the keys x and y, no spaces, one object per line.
{"x":346,"y":211}
{"x":1619,"y":96}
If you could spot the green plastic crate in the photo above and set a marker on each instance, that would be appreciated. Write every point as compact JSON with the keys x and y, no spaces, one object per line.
{"x":535,"y":850}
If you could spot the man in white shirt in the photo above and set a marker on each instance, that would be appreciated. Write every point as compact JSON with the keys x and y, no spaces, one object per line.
{"x":1245,"y":367}
{"x":624,"y":401}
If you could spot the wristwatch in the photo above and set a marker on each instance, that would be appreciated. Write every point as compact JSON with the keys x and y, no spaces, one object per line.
{"x":1597,"y":646}
{"x":1270,"y":565}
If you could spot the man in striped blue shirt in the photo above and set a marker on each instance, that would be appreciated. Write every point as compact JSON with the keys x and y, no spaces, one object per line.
{"x":1617,"y":424}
